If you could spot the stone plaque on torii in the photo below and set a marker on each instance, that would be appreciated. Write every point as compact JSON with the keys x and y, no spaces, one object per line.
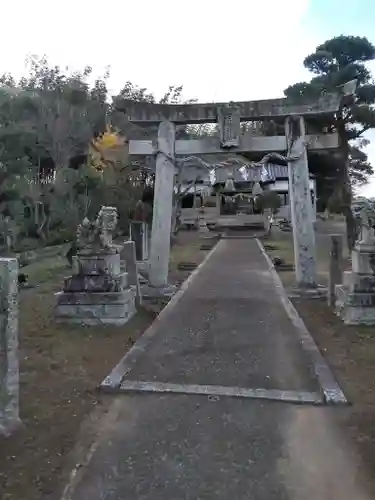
{"x":228,"y":116}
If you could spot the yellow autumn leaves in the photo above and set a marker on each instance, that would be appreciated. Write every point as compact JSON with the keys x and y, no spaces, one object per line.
{"x":108,"y":149}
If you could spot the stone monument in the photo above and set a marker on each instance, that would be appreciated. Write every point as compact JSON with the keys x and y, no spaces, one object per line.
{"x":355,"y":298}
{"x":9,"y":372}
{"x":98,"y":292}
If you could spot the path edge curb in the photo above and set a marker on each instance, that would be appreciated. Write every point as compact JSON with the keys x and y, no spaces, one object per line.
{"x":331,"y":389}
{"x":113,"y":381}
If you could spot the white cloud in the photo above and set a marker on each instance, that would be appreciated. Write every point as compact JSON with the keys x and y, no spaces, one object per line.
{"x":217,"y":50}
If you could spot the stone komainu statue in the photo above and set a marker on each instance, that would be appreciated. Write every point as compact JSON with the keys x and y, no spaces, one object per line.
{"x":98,"y":235}
{"x":366,"y":222}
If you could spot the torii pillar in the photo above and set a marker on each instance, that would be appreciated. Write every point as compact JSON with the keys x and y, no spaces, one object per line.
{"x":300,"y":203}
{"x":163,"y":205}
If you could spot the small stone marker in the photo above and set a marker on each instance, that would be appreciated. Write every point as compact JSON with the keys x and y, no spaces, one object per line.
{"x":335,"y":266}
{"x":139,"y":234}
{"x":9,"y":371}
{"x":128,"y":255}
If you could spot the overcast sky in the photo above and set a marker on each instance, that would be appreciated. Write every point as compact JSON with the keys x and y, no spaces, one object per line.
{"x":218,"y":50}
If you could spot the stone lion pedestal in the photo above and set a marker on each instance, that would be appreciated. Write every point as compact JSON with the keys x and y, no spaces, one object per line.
{"x":98,"y":292}
{"x":355,"y":298}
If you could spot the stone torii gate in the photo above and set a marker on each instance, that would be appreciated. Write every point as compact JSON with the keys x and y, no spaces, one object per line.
{"x":295,"y":143}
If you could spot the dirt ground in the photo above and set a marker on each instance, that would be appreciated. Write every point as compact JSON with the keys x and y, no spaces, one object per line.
{"x":349,"y":350}
{"x":60,"y":369}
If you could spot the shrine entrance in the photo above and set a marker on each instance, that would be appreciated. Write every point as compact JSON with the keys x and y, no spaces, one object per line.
{"x":302,"y":125}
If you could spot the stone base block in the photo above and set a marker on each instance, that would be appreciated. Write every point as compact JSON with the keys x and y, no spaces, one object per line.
{"x":358,"y":315}
{"x":100,"y":263}
{"x":363,"y":260}
{"x":96,"y":283}
{"x":96,"y":308}
{"x":85,"y":298}
{"x":360,"y":299}
{"x":355,"y":282}
{"x":355,"y":308}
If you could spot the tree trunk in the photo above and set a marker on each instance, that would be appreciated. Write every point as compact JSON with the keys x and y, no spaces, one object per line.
{"x":345,"y":186}
{"x":351,"y":228}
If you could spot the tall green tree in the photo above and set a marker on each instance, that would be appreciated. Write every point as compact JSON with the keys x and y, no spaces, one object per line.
{"x":334,"y":63}
{"x":14,"y":167}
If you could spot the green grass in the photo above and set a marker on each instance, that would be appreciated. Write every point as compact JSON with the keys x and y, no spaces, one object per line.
{"x":45,"y":270}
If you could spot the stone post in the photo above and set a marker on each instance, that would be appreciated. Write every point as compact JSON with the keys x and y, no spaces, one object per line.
{"x":9,"y":372}
{"x":128,"y":256}
{"x":335,"y":266}
{"x":139,"y":234}
{"x":163,"y":205}
{"x":300,"y":204}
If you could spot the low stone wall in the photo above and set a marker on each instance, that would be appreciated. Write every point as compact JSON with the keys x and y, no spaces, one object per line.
{"x":9,"y":373}
{"x":31,"y":256}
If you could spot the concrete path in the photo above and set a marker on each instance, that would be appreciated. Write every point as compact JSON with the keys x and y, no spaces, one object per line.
{"x":208,"y":408}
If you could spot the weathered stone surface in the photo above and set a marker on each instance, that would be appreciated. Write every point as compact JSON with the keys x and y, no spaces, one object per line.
{"x":363,"y":260}
{"x":301,"y":205}
{"x":98,"y":235}
{"x":247,"y":143}
{"x":100,"y":311}
{"x":360,"y":299}
{"x":98,"y":291}
{"x":208,"y":113}
{"x":128,"y":257}
{"x":355,"y":298}
{"x":358,"y":315}
{"x":359,"y":282}
{"x":162,"y":213}
{"x":139,"y":234}
{"x":84,"y":298}
{"x":96,"y":283}
{"x":340,"y":292}
{"x":98,"y":264}
{"x":229,"y":125}
{"x":9,"y":371}
{"x":96,"y":309}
